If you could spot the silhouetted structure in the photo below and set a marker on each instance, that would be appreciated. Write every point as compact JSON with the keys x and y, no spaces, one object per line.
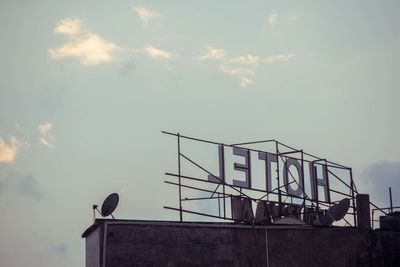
{"x":288,"y":220}
{"x":127,"y":243}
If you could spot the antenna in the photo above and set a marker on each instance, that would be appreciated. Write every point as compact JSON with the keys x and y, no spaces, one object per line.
{"x":108,"y":207}
{"x":336,"y":212}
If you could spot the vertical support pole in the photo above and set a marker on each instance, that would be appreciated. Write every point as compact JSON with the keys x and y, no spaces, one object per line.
{"x":373,"y":216}
{"x":223,"y":175}
{"x":353,"y":197}
{"x":277,"y":179}
{"x":179,"y":173}
{"x":94,"y":213}
{"x":219,"y":205}
{"x":391,"y":201}
{"x":314,"y":170}
{"x":303,"y":184}
{"x":327,"y":188}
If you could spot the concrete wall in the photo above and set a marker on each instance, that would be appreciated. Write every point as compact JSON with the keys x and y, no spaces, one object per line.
{"x":134,"y":243}
{"x":93,"y":248}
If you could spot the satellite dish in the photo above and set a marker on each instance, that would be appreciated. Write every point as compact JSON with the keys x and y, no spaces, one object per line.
{"x":327,"y":219}
{"x":336,"y":212}
{"x":109,"y":204}
{"x":341,"y":209}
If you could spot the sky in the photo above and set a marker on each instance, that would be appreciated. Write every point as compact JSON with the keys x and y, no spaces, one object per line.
{"x":87,"y":87}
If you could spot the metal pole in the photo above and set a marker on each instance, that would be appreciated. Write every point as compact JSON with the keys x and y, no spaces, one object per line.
{"x":303,"y":184}
{"x":94,"y":212}
{"x":353,"y":198}
{"x":328,"y":196}
{"x":219,"y":206}
{"x":391,"y":202}
{"x":314,"y":170}
{"x":179,"y":173}
{"x":223,"y":177}
{"x":277,"y":179}
{"x":373,"y":219}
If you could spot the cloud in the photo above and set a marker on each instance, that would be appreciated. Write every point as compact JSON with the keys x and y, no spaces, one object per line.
{"x":69,"y":26}
{"x":244,"y":82}
{"x":145,"y":14}
{"x":16,"y":183}
{"x":27,"y":185}
{"x":9,"y":149}
{"x":157,"y":53}
{"x":241,"y":72}
{"x":212,"y":53}
{"x":235,"y":71}
{"x":241,"y":66}
{"x":88,"y":47}
{"x":246,"y":60}
{"x":279,"y":58}
{"x":45,"y":132}
{"x":273,"y":19}
{"x":378,"y":177}
{"x":45,"y":128}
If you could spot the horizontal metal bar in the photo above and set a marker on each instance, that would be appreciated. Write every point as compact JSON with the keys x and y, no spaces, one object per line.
{"x":191,"y":138}
{"x":250,"y":189}
{"x":335,"y":165}
{"x":203,"y":198}
{"x":203,"y":169}
{"x":282,"y":154}
{"x":198,"y":213}
{"x":254,"y":142}
{"x":386,"y":208}
{"x":191,"y":187}
{"x":337,"y":192}
{"x":377,"y":208}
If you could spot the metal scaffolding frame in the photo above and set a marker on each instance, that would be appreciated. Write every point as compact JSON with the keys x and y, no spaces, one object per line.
{"x":223,"y":191}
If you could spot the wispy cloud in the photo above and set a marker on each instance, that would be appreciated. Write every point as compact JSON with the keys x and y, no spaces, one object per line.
{"x":212,"y":53}
{"x":242,"y":73}
{"x":244,"y":66}
{"x":146,"y":14}
{"x":241,"y":67}
{"x":45,"y":134}
{"x":244,"y":82}
{"x":29,"y":186}
{"x":9,"y":149}
{"x":88,"y":47}
{"x":276,"y":58}
{"x":157,"y":53}
{"x":69,"y":26}
{"x":235,"y":71}
{"x":17,"y":183}
{"x":273,"y":19}
{"x":246,"y":60}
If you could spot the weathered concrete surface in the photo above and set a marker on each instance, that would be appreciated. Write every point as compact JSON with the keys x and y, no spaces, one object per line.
{"x":149,"y":243}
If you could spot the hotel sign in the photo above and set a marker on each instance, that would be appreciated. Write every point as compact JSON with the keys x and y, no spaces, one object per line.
{"x":295,"y":183}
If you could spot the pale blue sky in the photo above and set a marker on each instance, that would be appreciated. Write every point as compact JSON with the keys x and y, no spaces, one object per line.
{"x":86,"y":88}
